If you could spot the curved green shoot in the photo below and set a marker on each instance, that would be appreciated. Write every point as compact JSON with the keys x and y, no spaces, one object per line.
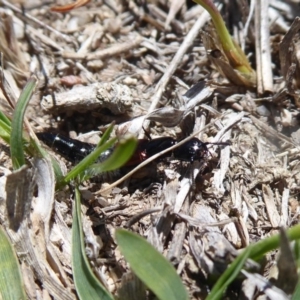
{"x":228,"y":276}
{"x":121,"y":154}
{"x":5,"y":128}
{"x":11,"y":284}
{"x":86,"y":283}
{"x":16,"y":140}
{"x":80,"y":168}
{"x":233,"y":52}
{"x":254,"y":251}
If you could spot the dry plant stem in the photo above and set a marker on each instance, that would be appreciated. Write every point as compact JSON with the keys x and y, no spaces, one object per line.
{"x":10,"y":46}
{"x":270,"y":131}
{"x":251,"y":210}
{"x":247,"y":24}
{"x":241,"y":229}
{"x":270,"y":206}
{"x":286,"y":49}
{"x":155,"y":23}
{"x":225,"y":153}
{"x":177,"y":242}
{"x":161,"y":15}
{"x":285,"y":208}
{"x":263,"y":51}
{"x":290,"y":152}
{"x":43,"y":38}
{"x":7,"y":91}
{"x":141,"y":215}
{"x":175,"y":7}
{"x":38,"y":22}
{"x":180,"y":230}
{"x":185,"y":185}
{"x":196,"y":222}
{"x":105,"y":53}
{"x":223,"y":166}
{"x":176,"y":61}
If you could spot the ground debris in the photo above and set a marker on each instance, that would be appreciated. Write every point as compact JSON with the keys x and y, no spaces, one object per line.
{"x":156,"y":69}
{"x":115,"y":97}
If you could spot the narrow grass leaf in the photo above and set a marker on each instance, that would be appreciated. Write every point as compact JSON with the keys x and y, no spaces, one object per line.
{"x":5,"y":119}
{"x":5,"y":131}
{"x":151,"y":267}
{"x":106,"y":135}
{"x":16,"y":141}
{"x":297,"y":253}
{"x":80,"y":168}
{"x":32,"y":148}
{"x":228,"y":276}
{"x":255,"y":252}
{"x":57,"y":170}
{"x":296,"y":294}
{"x":264,"y":246}
{"x":121,"y":154}
{"x":11,"y":285}
{"x":86,"y":283}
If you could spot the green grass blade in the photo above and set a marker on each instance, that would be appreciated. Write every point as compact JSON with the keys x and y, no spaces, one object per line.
{"x":255,"y":252}
{"x":79,"y":169}
{"x":36,"y":150}
{"x":151,"y":267}
{"x":262,"y":247}
{"x":31,"y":148}
{"x":5,"y":131}
{"x":228,"y":276}
{"x":16,"y":140}
{"x":5,"y":119}
{"x":106,"y":135}
{"x":121,"y":154}
{"x":11,"y":285}
{"x":296,"y":294}
{"x":57,"y":170}
{"x":297,"y":253}
{"x":86,"y":283}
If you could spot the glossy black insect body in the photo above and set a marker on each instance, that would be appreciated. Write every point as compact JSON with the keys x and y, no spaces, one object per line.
{"x":75,"y":150}
{"x":191,"y":150}
{"x":72,"y":150}
{"x":147,"y":148}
